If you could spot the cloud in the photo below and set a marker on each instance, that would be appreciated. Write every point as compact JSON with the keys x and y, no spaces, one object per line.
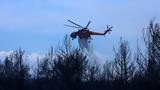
{"x":3,"y":54}
{"x":34,"y":56}
{"x":31,"y":58}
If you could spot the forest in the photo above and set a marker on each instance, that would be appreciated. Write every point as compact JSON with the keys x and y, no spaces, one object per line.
{"x":67,"y":68}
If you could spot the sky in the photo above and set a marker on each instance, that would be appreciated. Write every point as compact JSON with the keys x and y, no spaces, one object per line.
{"x":35,"y":25}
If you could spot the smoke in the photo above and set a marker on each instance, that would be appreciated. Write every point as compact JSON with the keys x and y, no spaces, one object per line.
{"x":92,"y":55}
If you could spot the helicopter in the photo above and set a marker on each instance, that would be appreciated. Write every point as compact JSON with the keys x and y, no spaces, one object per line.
{"x":84,"y":32}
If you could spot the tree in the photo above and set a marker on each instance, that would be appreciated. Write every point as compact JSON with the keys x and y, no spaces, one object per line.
{"x":123,"y":67}
{"x":70,"y":65}
{"x":108,"y":71}
{"x":93,"y":73}
{"x":45,"y":66}
{"x":152,"y":43}
{"x":8,"y":67}
{"x":21,"y":69}
{"x":44,"y":69}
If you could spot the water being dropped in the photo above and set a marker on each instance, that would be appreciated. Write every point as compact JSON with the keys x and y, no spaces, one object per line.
{"x":92,"y":55}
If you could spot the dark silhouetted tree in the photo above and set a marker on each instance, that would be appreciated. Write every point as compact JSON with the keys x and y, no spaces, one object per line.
{"x":108,"y":71}
{"x":17,"y":69}
{"x":70,"y":65}
{"x":93,"y":72}
{"x":123,"y":66}
{"x":152,"y":43}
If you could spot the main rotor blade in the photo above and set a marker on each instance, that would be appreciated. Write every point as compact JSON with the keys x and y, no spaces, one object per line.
{"x":74,"y":23}
{"x":88,"y":24}
{"x":72,"y":26}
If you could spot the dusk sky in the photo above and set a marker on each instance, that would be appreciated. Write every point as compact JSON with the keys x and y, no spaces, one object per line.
{"x":35,"y":25}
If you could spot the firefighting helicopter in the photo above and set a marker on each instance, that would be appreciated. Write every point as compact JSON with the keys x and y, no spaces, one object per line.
{"x":84,"y":32}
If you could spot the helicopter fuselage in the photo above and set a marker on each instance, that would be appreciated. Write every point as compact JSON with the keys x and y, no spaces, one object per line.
{"x":84,"y":34}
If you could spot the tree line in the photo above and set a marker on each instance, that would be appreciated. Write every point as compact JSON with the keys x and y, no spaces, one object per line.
{"x":68,"y":68}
